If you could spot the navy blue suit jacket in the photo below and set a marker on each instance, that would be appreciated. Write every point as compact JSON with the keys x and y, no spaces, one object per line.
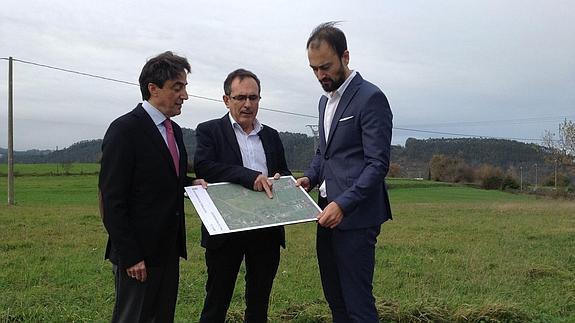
{"x":218,"y":159}
{"x":355,"y":160}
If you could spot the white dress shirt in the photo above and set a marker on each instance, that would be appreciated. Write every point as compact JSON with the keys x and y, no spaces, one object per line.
{"x":251,"y":147}
{"x":333,"y":99}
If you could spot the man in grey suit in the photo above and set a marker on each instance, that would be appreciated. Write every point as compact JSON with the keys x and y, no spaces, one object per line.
{"x":349,"y":166}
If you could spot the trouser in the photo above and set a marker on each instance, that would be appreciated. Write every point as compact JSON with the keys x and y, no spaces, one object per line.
{"x":151,"y":301}
{"x":346,"y":261}
{"x":223,"y":265}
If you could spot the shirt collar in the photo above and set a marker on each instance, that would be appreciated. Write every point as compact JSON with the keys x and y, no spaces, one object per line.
{"x":257,"y":125}
{"x":342,"y":87}
{"x":154,"y":113}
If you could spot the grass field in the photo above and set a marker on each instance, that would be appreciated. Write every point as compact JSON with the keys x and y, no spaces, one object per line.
{"x":450,"y":254}
{"x":51,"y":169}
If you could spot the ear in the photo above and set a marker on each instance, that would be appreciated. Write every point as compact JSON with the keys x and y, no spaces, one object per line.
{"x":345,"y":58}
{"x":226,"y":100}
{"x":153,"y":88}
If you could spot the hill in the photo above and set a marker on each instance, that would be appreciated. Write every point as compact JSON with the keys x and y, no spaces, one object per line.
{"x":298,"y":148}
{"x":506,"y":154}
{"x":413,"y":157}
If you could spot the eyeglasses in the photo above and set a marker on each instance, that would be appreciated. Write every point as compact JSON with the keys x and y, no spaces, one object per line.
{"x":243,"y":98}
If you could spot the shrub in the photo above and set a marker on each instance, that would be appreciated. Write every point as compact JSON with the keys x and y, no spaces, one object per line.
{"x":563,"y":180}
{"x":490,"y":177}
{"x":448,"y":169}
{"x":394,"y":170}
{"x":509,"y":182}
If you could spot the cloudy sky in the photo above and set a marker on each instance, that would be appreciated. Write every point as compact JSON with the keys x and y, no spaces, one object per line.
{"x":483,"y":68}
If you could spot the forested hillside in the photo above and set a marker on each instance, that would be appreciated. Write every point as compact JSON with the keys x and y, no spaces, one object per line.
{"x":413,"y":157}
{"x":475,"y":151}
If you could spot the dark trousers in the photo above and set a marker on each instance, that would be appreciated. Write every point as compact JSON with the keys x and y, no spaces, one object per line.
{"x":262,"y":261}
{"x":151,"y":301}
{"x":346,"y":262}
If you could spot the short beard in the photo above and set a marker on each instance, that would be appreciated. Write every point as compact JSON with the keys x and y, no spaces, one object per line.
{"x":335,"y":84}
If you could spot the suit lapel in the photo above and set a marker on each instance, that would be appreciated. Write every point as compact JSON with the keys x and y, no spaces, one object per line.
{"x":154,"y":135}
{"x":322,"y":106}
{"x":230,"y":136}
{"x":343,"y":104}
{"x":269,"y":151}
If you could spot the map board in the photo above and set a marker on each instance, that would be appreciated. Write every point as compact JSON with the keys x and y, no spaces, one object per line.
{"x":227,"y":207}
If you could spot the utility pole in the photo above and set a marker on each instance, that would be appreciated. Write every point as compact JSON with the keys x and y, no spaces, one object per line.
{"x":10,"y":134}
{"x":535,"y":176}
{"x":315,"y":131}
{"x":521,"y":178}
{"x":555,"y":174}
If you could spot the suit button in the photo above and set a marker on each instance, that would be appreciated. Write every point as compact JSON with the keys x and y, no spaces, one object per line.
{"x":326,"y":157}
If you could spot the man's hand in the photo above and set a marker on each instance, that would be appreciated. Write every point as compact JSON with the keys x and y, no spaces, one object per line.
{"x":200,"y":182}
{"x":138,"y":271}
{"x":331,"y":216}
{"x":262,"y":183}
{"x":303,"y":182}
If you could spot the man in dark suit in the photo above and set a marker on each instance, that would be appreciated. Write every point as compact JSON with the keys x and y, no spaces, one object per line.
{"x":349,"y":166}
{"x":237,"y":148}
{"x":142,"y":175}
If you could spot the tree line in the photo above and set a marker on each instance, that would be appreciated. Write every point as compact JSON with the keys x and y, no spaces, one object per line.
{"x":461,"y":158}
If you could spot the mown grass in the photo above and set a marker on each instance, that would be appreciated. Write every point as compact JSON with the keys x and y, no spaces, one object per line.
{"x":450,"y":254}
{"x":53,"y":169}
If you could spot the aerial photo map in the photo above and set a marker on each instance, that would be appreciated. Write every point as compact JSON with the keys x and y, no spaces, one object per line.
{"x":239,"y":209}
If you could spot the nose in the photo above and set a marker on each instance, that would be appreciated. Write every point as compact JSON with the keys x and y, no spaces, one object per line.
{"x":248,"y":103}
{"x":185,"y":95}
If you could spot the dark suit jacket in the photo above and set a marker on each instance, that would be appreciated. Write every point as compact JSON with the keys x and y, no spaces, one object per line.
{"x":355,"y":160}
{"x":142,"y":198}
{"x":218,"y":159}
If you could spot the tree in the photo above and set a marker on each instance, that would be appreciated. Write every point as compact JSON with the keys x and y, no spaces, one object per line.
{"x":394,"y":170}
{"x":490,"y":177}
{"x":448,"y":169}
{"x":562,"y":149}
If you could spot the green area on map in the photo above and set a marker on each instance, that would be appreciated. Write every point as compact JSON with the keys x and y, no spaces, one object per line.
{"x":242,"y":208}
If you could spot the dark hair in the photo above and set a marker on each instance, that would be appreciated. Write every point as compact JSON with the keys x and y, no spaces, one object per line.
{"x":242,"y":74}
{"x":329,"y":33}
{"x":159,"y":69}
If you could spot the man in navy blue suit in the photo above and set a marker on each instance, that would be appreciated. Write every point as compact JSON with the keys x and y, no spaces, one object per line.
{"x":349,"y":166}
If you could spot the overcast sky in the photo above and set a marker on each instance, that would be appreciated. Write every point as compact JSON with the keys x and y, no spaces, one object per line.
{"x":486,"y":68}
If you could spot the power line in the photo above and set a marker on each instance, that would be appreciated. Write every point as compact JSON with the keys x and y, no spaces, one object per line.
{"x":74,"y":72}
{"x":520,"y":121}
{"x":465,"y":135}
{"x":136,"y":84}
{"x":293,"y":113}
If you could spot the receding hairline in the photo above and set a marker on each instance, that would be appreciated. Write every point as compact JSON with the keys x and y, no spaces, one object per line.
{"x":316,"y":43}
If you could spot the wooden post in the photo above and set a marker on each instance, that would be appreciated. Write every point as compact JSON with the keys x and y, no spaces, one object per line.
{"x":10,"y":135}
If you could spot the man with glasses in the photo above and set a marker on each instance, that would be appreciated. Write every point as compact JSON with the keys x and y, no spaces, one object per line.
{"x":349,"y":167}
{"x":239,"y":149}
